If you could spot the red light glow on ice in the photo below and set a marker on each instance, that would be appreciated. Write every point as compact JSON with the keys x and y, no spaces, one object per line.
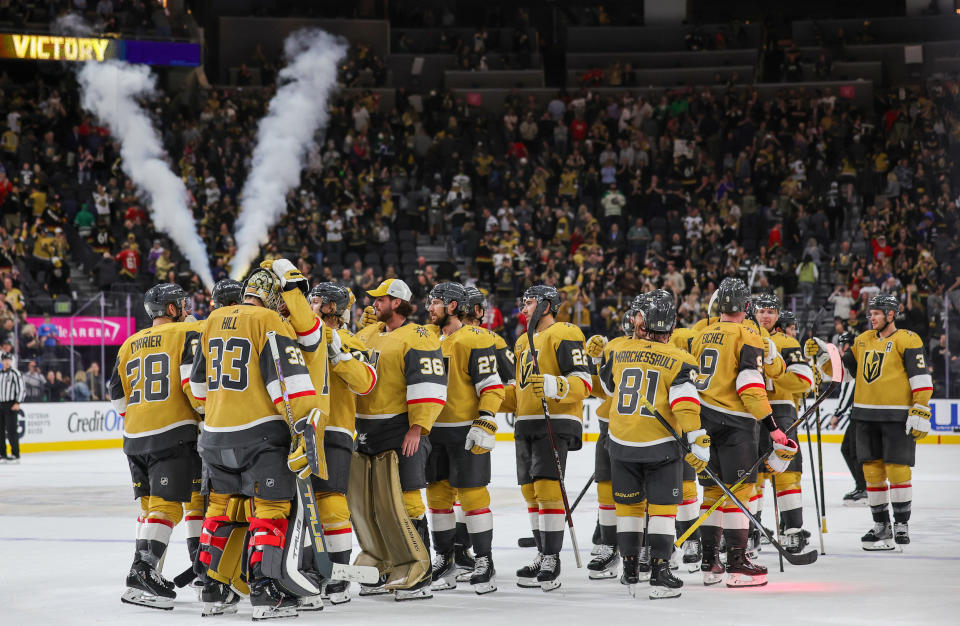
{"x":797,"y":587}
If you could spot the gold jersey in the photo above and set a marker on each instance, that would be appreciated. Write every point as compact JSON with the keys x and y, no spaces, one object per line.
{"x":473,"y":382}
{"x":603,"y":411}
{"x":683,"y":338}
{"x":149,"y":387}
{"x":235,"y":376}
{"x":730,"y":362}
{"x":560,"y":352}
{"x":891,"y":374}
{"x":797,"y":378}
{"x":351,"y":377}
{"x":411,"y":384}
{"x":665,"y":375}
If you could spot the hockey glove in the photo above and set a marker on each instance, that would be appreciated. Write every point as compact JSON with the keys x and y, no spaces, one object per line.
{"x":483,"y":434}
{"x":699,"y":454}
{"x":334,"y":346}
{"x":368,"y":317}
{"x":549,"y":386}
{"x":297,"y":459}
{"x":305,"y":432}
{"x":779,"y":459}
{"x":918,"y":421}
{"x":290,"y":277}
{"x":595,"y":347}
{"x":771,"y":354}
{"x":811,"y":348}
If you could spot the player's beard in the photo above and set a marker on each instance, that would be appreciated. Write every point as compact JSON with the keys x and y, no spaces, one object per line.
{"x":384,"y":315}
{"x":442,"y":319}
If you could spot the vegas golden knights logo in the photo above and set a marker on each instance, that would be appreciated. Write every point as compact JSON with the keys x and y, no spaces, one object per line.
{"x":525,"y":370}
{"x":872,"y":365}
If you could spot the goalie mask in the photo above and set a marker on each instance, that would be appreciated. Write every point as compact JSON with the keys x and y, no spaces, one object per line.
{"x":263,"y":285}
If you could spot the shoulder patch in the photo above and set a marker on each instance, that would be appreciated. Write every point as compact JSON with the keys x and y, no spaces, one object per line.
{"x":423,"y":332}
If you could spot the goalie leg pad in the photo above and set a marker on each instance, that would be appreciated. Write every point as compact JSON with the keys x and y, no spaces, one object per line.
{"x":360,"y":498}
{"x":278,"y":544}
{"x":223,"y":540}
{"x":407,"y":555}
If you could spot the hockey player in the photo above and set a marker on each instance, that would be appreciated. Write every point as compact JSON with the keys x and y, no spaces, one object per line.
{"x":246,"y":447}
{"x":797,"y":379}
{"x":848,"y":448}
{"x":645,"y":458}
{"x":564,"y":381}
{"x":148,"y":389}
{"x":891,"y":412}
{"x":604,"y":564}
{"x":462,"y":438}
{"x":733,"y":398}
{"x":226,"y":292}
{"x":398,"y":415}
{"x":688,"y":511}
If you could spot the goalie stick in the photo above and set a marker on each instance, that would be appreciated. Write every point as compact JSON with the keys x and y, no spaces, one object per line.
{"x":321,"y":558}
{"x":568,"y":512}
{"x":836,"y":377}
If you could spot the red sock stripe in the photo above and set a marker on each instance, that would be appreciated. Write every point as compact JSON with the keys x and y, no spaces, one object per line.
{"x":694,"y":501}
{"x":441,"y":511}
{"x":552,"y":512}
{"x":787,"y":492}
{"x":338,"y":531}
{"x":192,"y":518}
{"x":477,"y":511}
{"x":531,"y":509}
{"x":900,"y":486}
{"x":755,"y":496}
{"x":608,"y":507}
{"x":159,"y":520}
{"x":734,"y":509}
{"x":884,"y":488}
{"x":664,"y":515}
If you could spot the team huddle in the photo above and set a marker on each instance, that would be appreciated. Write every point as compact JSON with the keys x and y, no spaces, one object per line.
{"x":277,"y":435}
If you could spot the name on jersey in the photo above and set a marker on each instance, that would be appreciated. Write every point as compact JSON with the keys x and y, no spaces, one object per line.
{"x":716,"y":338}
{"x":644,"y":356}
{"x":150,"y":341}
{"x":228,"y":323}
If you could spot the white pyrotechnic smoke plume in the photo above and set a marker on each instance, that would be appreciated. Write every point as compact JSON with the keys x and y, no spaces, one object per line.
{"x":110,"y":91}
{"x":284,"y":138}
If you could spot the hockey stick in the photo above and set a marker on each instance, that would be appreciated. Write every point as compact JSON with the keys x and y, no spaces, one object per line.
{"x":776,"y":513}
{"x":794,"y":559}
{"x":813,"y":476}
{"x":321,"y":558}
{"x":531,"y":326}
{"x":823,"y":485}
{"x":836,"y":376}
{"x":185,"y":577}
{"x":583,"y":492}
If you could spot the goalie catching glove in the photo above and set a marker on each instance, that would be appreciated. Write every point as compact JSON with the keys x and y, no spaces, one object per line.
{"x":483,"y":434}
{"x":290,"y":277}
{"x":779,"y":459}
{"x":303,"y":459}
{"x":549,"y":386}
{"x":595,"y":347}
{"x":918,"y":421}
{"x":699,"y":454}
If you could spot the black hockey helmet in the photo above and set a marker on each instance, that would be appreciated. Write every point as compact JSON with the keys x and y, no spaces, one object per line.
{"x":227,"y":292}
{"x":766,"y":300}
{"x":884,"y":302}
{"x":787,"y":318}
{"x":156,"y":299}
{"x":658,"y":311}
{"x":263,"y":285}
{"x":332,"y":292}
{"x":451,"y":292}
{"x":475,"y":297}
{"x":733,"y":296}
{"x":544,"y":292}
{"x":846,"y":338}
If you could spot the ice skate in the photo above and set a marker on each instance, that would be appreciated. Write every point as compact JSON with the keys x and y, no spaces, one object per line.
{"x":595,"y":550}
{"x":464,"y":563}
{"x":741,"y":572}
{"x":444,"y":572}
{"x":378,"y":589}
{"x":527,"y":575}
{"x":663,"y":584}
{"x":643,"y":564}
{"x":420,"y":591}
{"x":857,"y":497}
{"x":879,"y":538}
{"x":146,"y":587}
{"x":691,"y":554}
{"x":549,"y":576}
{"x":483,"y":578}
{"x":901,"y":533}
{"x":794,"y":540}
{"x":218,"y":599}
{"x":336,"y":592}
{"x":710,"y":566}
{"x":628,"y":574}
{"x":270,"y":601}
{"x":604,"y":565}
{"x":311,"y":603}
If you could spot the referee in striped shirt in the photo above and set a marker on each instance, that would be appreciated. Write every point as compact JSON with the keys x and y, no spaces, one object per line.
{"x":11,"y":395}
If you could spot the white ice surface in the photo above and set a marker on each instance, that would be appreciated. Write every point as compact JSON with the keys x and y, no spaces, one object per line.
{"x":66,"y":521}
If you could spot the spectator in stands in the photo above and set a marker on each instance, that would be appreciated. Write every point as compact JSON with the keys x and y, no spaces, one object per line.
{"x":54,"y":387}
{"x":34,"y":383}
{"x":49,"y":334}
{"x":78,"y":391}
{"x":95,"y":380}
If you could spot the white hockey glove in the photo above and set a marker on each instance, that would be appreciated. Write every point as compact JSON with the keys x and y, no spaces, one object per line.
{"x":771,"y":354}
{"x":779,"y":459}
{"x":699,"y":454}
{"x":918,"y":421}
{"x":304,"y":459}
{"x":334,"y":346}
{"x":482,"y":436}
{"x":549,"y":386}
{"x":290,"y":277}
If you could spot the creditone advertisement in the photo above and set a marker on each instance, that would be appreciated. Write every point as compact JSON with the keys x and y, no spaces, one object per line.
{"x":86,"y":330}
{"x":47,"y":427}
{"x":73,"y":49}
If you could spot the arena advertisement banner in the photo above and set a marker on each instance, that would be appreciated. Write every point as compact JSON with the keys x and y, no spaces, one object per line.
{"x":51,"y":47}
{"x":50,"y":426}
{"x":86,"y":330}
